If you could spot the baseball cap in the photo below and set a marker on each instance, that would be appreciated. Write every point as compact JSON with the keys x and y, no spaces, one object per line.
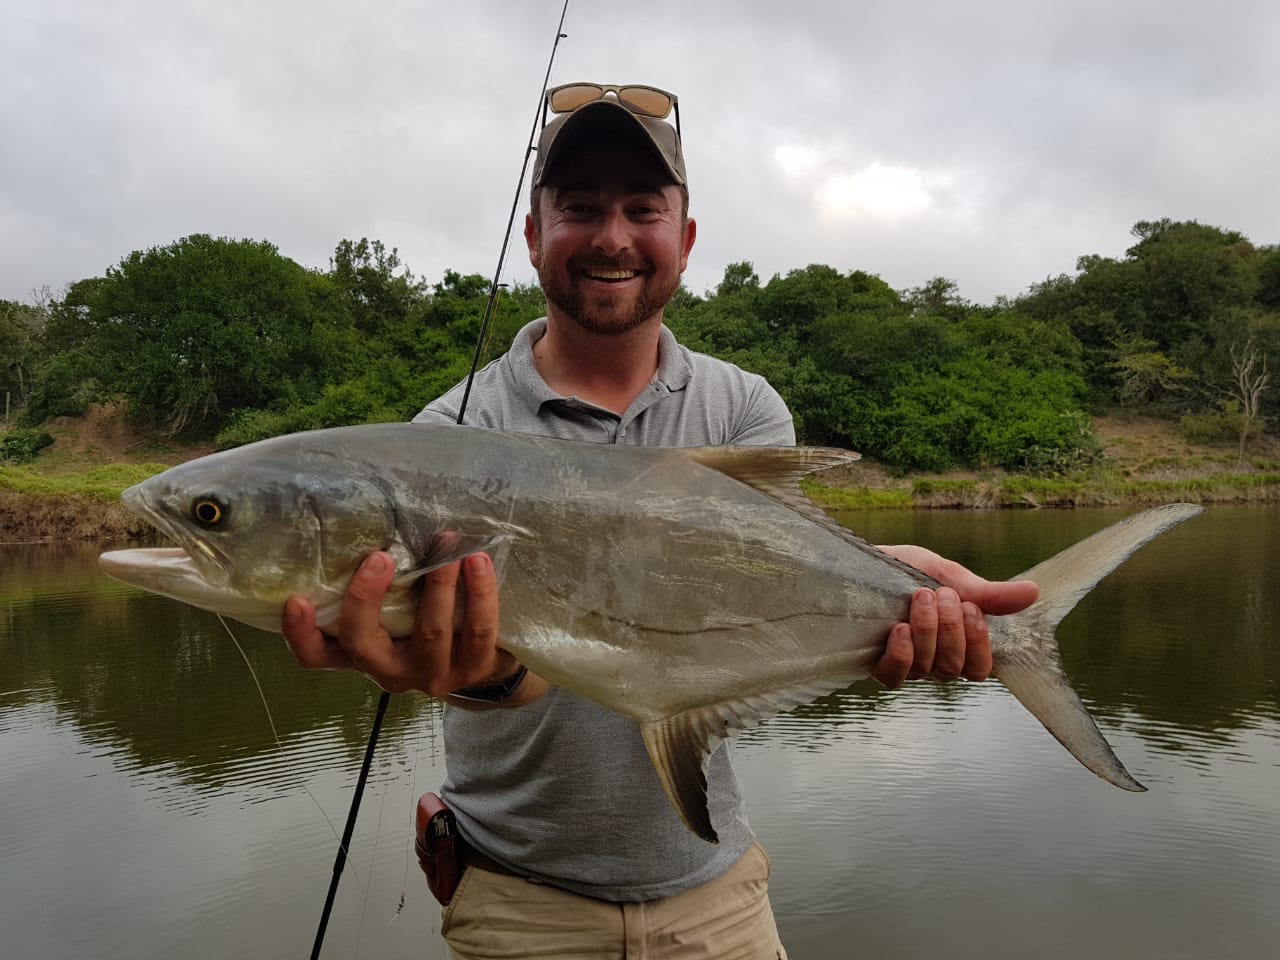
{"x":604,"y":115}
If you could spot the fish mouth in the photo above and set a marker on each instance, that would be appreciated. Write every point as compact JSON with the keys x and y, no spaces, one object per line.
{"x":172,"y":572}
{"x":168,"y":571}
{"x":213,"y":565}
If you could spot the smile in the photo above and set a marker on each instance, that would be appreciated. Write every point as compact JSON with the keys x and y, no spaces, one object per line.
{"x":611,"y":276}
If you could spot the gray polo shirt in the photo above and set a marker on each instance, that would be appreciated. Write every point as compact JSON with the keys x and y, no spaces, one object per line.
{"x":563,"y":789}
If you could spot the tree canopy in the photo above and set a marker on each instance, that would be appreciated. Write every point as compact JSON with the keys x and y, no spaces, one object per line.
{"x":213,"y":336}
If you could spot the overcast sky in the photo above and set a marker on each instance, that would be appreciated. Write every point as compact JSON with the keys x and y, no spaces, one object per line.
{"x":991,"y":142}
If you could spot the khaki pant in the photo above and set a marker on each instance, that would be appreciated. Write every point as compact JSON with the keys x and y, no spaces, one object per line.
{"x":497,"y":917}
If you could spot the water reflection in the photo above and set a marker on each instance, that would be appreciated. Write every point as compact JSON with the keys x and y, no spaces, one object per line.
{"x":163,"y":684}
{"x":149,"y":810}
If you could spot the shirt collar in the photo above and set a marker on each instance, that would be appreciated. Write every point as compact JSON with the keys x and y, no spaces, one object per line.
{"x":674,"y":369}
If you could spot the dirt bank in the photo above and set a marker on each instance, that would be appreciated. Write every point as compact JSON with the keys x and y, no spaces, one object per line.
{"x":25,"y":518}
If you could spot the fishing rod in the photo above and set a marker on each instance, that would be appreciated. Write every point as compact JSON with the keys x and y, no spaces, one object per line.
{"x":384,"y":698}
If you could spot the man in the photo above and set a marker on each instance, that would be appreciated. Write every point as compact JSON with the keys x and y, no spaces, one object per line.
{"x":547,"y":786}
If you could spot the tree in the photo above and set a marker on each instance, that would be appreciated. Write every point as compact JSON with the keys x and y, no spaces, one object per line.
{"x":738,"y":277}
{"x":982,"y":412}
{"x":22,"y":328}
{"x":1249,"y":378}
{"x":1147,"y":375}
{"x":1187,"y":271}
{"x":1268,"y":295}
{"x":191,"y":332}
{"x":376,"y":295}
{"x":940,"y":297}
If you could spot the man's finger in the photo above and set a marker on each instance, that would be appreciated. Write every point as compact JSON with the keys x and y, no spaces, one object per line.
{"x":923,"y":619}
{"x":948,"y":659}
{"x":476,"y":654}
{"x":360,"y":631}
{"x":1002,"y":597}
{"x":432,"y":645}
{"x":311,"y":648}
{"x":994,"y":597}
{"x":895,"y":663}
{"x":977,"y":659}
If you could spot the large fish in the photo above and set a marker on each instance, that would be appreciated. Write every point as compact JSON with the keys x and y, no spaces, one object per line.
{"x":696,"y":590}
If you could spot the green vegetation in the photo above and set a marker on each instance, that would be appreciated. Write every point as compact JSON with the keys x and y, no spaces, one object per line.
{"x":103,"y":483}
{"x":228,"y":340}
{"x":21,"y":446}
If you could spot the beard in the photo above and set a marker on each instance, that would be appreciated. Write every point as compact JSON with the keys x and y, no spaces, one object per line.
{"x":611,"y":316}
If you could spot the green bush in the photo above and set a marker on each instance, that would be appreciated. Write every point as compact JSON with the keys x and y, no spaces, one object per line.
{"x":339,"y":406}
{"x":1220,"y":427}
{"x":22,"y":446}
{"x":64,"y":387}
{"x":981,"y":413}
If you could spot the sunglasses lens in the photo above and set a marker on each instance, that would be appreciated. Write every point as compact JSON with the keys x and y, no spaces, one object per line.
{"x":566,"y":99}
{"x":646,"y":101}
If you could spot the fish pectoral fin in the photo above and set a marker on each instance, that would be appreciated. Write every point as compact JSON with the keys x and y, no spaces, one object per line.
{"x":679,"y":745}
{"x":448,"y":547}
{"x":400,"y":605}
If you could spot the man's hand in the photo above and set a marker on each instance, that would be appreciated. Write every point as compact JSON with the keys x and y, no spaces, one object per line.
{"x":450,"y":648}
{"x":946,"y":634}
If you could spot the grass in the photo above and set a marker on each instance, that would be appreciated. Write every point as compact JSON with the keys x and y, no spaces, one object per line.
{"x":103,"y":482}
{"x":1205,"y":480}
{"x":855,"y":498}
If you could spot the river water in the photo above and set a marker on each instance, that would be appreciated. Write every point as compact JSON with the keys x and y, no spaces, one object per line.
{"x":148,"y":810}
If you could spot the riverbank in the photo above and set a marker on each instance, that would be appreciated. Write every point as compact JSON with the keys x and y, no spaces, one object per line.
{"x":1145,"y":461}
{"x":71,"y":491}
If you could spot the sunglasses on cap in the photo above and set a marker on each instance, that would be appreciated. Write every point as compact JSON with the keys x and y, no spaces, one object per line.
{"x":637,"y":97}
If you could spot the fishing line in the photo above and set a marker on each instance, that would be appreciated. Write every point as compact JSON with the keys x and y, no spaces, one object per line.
{"x":385,"y":698}
{"x":432,"y":706}
{"x":253,"y":675}
{"x":388,"y":766}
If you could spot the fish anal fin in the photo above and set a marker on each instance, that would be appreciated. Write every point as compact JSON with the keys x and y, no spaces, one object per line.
{"x":679,"y":745}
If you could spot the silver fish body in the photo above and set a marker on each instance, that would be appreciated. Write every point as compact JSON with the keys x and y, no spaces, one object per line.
{"x":693,"y":590}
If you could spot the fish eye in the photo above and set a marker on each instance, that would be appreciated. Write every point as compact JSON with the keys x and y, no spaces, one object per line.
{"x":208,"y":511}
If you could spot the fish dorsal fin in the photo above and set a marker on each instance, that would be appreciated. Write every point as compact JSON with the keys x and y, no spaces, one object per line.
{"x":776,"y":472}
{"x":680,"y":745}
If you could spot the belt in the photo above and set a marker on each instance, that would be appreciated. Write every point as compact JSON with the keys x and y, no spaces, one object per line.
{"x":471,"y":857}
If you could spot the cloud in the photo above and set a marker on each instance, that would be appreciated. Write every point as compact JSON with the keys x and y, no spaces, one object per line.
{"x":992,"y":142}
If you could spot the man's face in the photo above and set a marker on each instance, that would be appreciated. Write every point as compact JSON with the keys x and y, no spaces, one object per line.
{"x":613,"y":239}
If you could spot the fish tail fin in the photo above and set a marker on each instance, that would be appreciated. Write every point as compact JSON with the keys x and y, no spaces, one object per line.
{"x":1026,"y":657}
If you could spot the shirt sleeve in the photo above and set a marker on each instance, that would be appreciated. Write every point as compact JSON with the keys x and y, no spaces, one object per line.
{"x":433,"y":414}
{"x":766,"y":421}
{"x":444,"y":408}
